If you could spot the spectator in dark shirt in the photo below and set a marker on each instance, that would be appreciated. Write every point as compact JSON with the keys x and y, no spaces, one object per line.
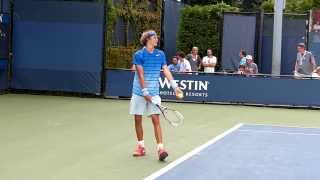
{"x":194,"y":59}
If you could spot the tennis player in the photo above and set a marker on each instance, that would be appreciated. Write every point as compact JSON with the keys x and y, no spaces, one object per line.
{"x":148,"y":62}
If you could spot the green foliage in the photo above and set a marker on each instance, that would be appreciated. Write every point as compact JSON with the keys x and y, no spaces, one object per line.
{"x":200,"y":26}
{"x":139,"y":14}
{"x":267,"y":5}
{"x":136,"y":13}
{"x":111,"y":19}
{"x":119,"y":57}
{"x":292,"y":6}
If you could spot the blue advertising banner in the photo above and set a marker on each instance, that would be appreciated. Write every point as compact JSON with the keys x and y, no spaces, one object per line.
{"x":3,"y":74}
{"x":225,"y":88}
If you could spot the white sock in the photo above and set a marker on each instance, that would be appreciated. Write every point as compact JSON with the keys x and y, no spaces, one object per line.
{"x":141,"y":143}
{"x":159,"y":146}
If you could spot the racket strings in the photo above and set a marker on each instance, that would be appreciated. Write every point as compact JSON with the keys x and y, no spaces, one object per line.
{"x":173,"y":116}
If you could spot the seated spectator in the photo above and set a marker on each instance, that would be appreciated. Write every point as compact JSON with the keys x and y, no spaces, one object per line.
{"x":209,"y":62}
{"x":174,"y":66}
{"x":242,"y":56}
{"x":316,"y":27}
{"x":242,"y":70}
{"x":316,"y":73}
{"x":194,"y":59}
{"x":184,"y":64}
{"x":251,"y":67}
{"x":305,"y":63}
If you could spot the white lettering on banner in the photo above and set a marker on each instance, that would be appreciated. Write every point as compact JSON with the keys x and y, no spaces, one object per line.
{"x":186,"y":84}
{"x":189,"y":86}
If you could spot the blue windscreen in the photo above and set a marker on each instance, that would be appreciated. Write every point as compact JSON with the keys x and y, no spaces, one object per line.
{"x":58,"y":46}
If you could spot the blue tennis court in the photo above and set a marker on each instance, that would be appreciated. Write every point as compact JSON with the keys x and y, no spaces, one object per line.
{"x":251,"y":152}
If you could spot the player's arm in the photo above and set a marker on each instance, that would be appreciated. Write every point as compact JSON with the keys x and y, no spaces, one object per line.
{"x":145,"y":91}
{"x":140,"y":72}
{"x":169,"y":76}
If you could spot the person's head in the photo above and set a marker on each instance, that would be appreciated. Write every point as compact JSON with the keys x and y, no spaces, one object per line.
{"x":242,"y":69}
{"x":209,"y":52}
{"x":149,"y":38}
{"x":249,"y":59}
{"x":180,"y":55}
{"x":242,"y":53}
{"x":194,"y":50}
{"x":174,"y":60}
{"x":301,"y":47}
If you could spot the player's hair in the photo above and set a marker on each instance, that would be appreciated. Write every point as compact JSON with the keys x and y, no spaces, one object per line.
{"x":181,"y":54}
{"x":146,"y":36}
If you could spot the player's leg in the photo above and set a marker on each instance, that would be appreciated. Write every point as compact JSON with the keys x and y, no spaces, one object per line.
{"x":138,"y":127}
{"x":162,"y":153}
{"x":154,"y":112}
{"x":157,"y":128}
{"x":137,"y":108}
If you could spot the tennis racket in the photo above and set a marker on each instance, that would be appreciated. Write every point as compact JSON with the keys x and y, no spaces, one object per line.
{"x":173,"y":117}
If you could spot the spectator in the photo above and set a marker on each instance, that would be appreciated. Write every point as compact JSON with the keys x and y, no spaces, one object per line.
{"x":174,"y":66}
{"x":242,"y":69}
{"x":184,"y":64}
{"x":251,"y":67}
{"x":316,"y":27}
{"x":194,"y":59}
{"x":243,"y":59}
{"x":209,"y":62}
{"x":305,"y":63}
{"x":316,"y":73}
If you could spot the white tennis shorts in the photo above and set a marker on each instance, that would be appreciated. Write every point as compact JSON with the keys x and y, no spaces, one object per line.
{"x":140,"y":106}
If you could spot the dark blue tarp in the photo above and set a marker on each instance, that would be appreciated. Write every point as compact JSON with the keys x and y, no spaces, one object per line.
{"x":58,"y":46}
{"x":5,"y":6}
{"x":294,"y":32}
{"x":171,"y":26}
{"x":230,"y":89}
{"x":4,"y":37}
{"x":3,"y":74}
{"x":239,"y":32}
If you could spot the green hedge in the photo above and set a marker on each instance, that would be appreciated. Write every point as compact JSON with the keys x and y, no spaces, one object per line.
{"x":119,"y":57}
{"x":200,"y":26}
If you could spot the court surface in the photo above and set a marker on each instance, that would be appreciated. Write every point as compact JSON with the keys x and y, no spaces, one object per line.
{"x":72,"y":138}
{"x":251,"y":152}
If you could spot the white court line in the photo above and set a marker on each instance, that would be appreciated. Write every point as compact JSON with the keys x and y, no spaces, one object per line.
{"x":279,"y":132}
{"x":191,"y":153}
{"x":282,"y":126}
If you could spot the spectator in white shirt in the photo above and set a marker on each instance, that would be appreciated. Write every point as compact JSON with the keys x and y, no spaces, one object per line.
{"x":209,"y":62}
{"x":316,"y":27}
{"x":184,"y":63}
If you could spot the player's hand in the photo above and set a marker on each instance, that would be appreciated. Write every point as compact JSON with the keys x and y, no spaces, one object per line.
{"x":179,"y":93}
{"x":148,"y":98}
